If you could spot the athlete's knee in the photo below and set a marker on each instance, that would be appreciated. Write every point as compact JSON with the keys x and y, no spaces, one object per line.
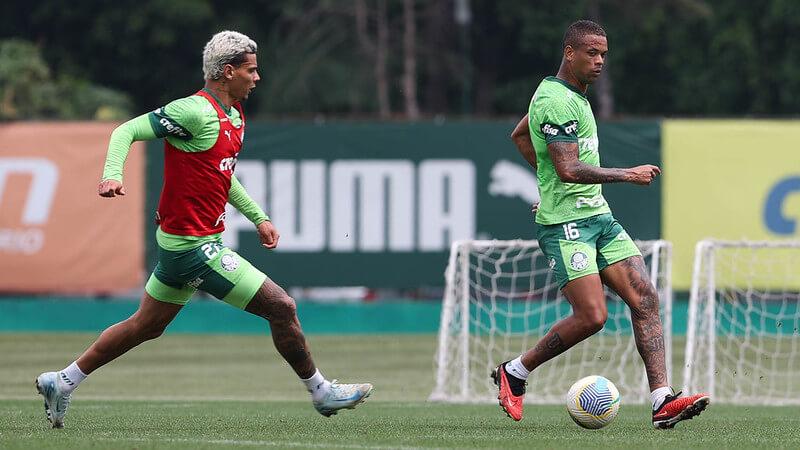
{"x":283,"y":308}
{"x":593,"y":318}
{"x":145,"y":328}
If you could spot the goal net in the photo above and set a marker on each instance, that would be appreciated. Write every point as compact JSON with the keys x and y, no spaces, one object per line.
{"x":500,"y":299}
{"x":743,"y":333}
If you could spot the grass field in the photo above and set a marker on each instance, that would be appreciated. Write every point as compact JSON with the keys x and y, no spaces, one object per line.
{"x":217,"y":391}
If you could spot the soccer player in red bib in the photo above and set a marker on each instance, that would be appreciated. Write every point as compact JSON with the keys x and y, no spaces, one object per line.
{"x":203,"y":135}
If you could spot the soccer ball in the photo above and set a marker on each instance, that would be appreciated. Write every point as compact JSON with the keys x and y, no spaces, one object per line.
{"x":593,"y":402}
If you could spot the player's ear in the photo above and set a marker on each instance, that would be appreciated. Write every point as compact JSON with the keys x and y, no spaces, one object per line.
{"x":569,"y":53}
{"x":227,"y":72}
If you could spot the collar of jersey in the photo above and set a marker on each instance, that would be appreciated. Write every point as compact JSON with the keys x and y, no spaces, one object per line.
{"x":227,"y":109}
{"x":569,"y":86}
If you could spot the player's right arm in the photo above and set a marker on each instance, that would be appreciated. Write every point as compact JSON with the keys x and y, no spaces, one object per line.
{"x":136,"y":129}
{"x":522,"y":139}
{"x":180,"y":120}
{"x":570,"y":169}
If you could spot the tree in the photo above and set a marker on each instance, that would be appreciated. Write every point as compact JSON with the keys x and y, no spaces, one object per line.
{"x":28,"y":90}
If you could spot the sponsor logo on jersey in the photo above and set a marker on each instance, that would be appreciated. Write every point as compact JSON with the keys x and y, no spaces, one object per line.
{"x":220,"y":219}
{"x":593,"y":202}
{"x":173,"y":128}
{"x":579,"y":261}
{"x":566,"y":129}
{"x":169,"y":126}
{"x":570,"y":127}
{"x":227,"y":164}
{"x":229,"y":262}
{"x":549,"y":130}
{"x":590,"y":144}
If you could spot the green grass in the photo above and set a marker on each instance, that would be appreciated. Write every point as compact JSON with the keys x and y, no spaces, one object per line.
{"x":203,"y":391}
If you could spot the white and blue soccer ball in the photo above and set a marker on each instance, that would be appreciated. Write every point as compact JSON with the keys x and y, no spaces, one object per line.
{"x":593,"y":402}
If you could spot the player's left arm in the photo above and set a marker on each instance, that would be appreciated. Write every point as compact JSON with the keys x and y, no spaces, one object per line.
{"x":522,"y":139}
{"x":241,"y":200}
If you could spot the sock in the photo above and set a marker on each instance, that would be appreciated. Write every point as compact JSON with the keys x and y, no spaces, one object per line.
{"x":659,"y":395}
{"x":71,"y":376}
{"x":317,"y":385}
{"x":516,"y":369}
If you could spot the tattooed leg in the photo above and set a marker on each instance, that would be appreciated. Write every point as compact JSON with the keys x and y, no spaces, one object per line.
{"x":588,"y":316}
{"x":630,"y":280}
{"x":274,"y":304}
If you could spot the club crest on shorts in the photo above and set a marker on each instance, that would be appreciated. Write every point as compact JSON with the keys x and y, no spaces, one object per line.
{"x":229,"y":262}
{"x":551,"y":263}
{"x":579,"y":261}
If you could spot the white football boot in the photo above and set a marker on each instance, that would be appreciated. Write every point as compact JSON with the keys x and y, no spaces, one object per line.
{"x":56,"y":398}
{"x":342,"y":396}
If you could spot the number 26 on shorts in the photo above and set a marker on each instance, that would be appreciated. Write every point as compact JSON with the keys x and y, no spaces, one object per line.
{"x":571,"y":231}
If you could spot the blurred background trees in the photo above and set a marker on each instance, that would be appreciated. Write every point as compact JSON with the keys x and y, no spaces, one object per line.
{"x":403,"y":59}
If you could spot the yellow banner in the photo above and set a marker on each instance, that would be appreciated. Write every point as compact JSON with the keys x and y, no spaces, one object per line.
{"x":731,"y":179}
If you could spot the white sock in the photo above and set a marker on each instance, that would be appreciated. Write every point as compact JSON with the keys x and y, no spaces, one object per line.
{"x":71,"y":376}
{"x":515,"y":368}
{"x":659,"y":395}
{"x":317,"y":385}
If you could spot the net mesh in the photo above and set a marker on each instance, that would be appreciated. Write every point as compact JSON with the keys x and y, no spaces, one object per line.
{"x":501,"y":299}
{"x":743,"y":342}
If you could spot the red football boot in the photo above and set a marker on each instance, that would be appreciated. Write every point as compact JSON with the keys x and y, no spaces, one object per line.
{"x":511,"y":404}
{"x":676,"y":408}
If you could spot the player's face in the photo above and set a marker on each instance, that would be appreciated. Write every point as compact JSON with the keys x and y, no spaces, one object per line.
{"x":244,"y":78}
{"x":588,"y":58}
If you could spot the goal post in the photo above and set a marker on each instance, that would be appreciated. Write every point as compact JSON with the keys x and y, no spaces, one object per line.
{"x":500,"y":298}
{"x":743,"y":330}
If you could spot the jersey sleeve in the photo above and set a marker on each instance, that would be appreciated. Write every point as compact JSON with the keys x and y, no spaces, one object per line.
{"x":240,"y":200}
{"x":181,"y":119}
{"x":136,"y":129}
{"x":557,"y":121}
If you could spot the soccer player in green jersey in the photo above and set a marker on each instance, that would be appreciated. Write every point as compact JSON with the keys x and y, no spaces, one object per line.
{"x":585,"y":246}
{"x":203,"y":136}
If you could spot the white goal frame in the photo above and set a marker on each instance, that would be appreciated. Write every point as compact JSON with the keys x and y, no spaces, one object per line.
{"x":756,"y":361}
{"x":462,"y":375}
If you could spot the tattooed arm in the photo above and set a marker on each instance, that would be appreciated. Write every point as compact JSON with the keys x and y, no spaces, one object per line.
{"x":570,"y":169}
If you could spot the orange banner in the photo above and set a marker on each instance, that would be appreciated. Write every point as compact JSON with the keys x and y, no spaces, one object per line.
{"x":56,"y":234}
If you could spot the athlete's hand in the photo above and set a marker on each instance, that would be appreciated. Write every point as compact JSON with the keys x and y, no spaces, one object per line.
{"x":110,"y":188}
{"x":268,"y":234}
{"x":535,"y":207}
{"x":643,"y":175}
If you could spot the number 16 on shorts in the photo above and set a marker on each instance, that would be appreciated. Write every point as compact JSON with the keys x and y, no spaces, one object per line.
{"x":571,"y":231}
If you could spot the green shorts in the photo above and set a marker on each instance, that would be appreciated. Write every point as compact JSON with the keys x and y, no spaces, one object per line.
{"x":585,"y":246}
{"x":212,"y":268}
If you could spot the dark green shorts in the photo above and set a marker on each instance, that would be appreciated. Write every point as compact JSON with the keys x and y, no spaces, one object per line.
{"x":212,"y":268}
{"x":585,"y":246}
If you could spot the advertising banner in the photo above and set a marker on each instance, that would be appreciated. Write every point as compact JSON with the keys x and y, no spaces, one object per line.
{"x":733,"y":179}
{"x":378,"y":205}
{"x":56,"y":233}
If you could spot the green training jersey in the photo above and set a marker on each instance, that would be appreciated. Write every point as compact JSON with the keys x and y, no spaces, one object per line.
{"x":559,"y":112}
{"x":190,"y":124}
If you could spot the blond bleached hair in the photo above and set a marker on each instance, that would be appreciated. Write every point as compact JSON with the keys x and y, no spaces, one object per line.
{"x":225,"y":47}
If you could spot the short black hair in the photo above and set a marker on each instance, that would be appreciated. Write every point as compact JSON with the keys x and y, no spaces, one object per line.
{"x":575,"y":32}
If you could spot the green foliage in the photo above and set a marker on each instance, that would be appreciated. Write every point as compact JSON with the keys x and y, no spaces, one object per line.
{"x":28,"y":90}
{"x":667,"y":57}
